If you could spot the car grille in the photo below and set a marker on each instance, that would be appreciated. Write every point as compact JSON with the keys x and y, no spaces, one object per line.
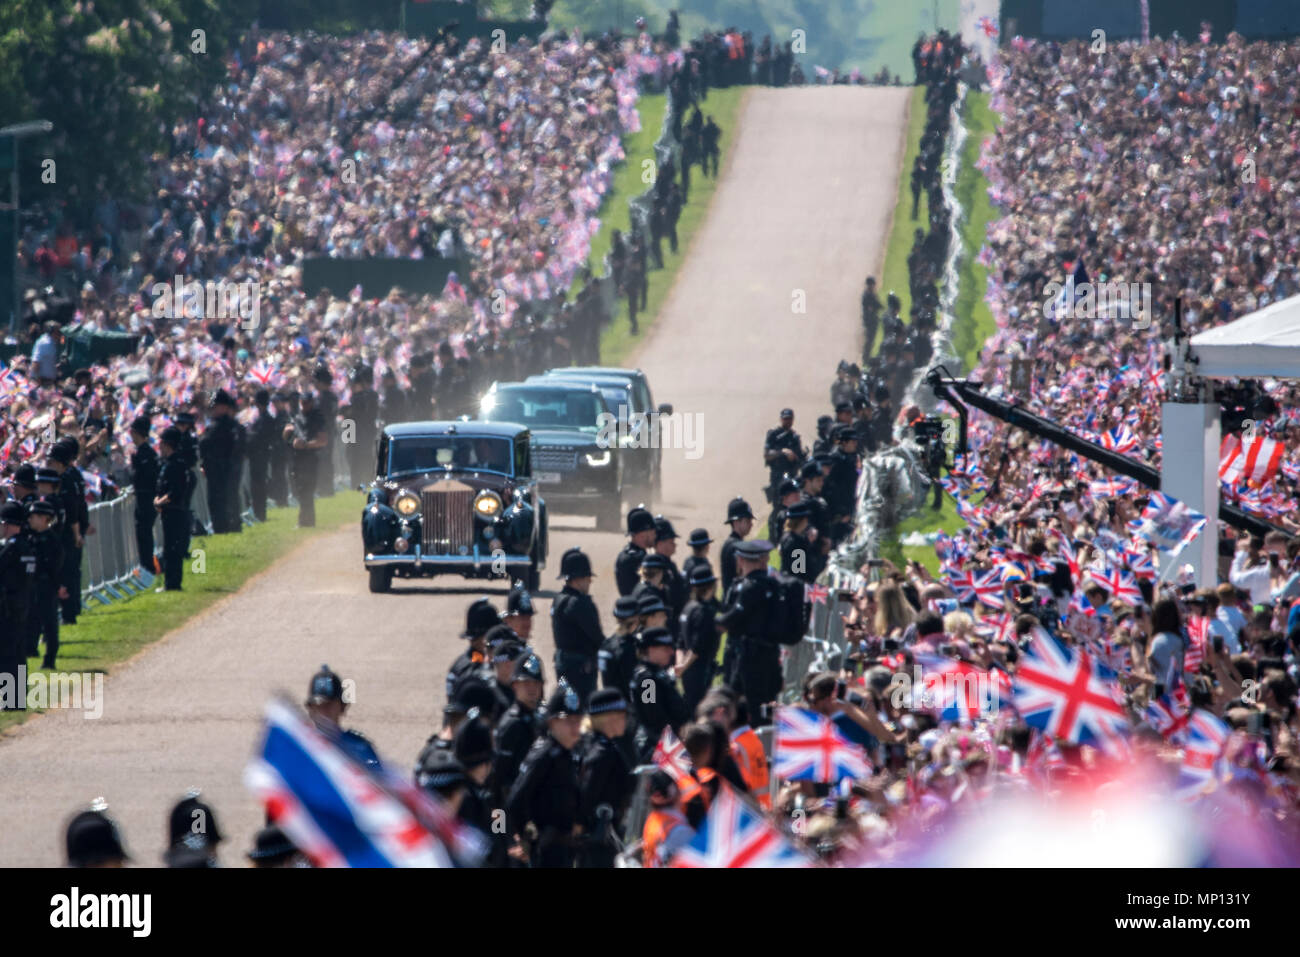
{"x":554,"y":460}
{"x":448,"y":523}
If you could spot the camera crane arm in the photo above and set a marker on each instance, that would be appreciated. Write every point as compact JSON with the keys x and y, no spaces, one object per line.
{"x":959,"y":393}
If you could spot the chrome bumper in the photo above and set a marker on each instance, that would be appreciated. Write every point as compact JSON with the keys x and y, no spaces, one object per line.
{"x":477,"y":560}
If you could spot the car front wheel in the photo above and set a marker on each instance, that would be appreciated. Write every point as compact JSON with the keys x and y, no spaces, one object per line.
{"x":381,"y":579}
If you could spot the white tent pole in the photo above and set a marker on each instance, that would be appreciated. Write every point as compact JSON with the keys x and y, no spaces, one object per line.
{"x":1189,"y":472}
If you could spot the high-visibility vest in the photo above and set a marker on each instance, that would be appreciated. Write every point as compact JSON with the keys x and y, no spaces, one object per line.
{"x":689,"y":786}
{"x":658,"y":825}
{"x":748,"y":753}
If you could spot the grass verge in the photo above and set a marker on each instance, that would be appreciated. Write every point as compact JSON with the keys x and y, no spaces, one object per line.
{"x":616,"y":340}
{"x":105,"y":635}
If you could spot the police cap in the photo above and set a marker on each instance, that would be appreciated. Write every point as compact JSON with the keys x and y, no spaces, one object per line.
{"x":655,"y":560}
{"x":184,"y":418}
{"x":13,"y":513}
{"x":575,"y":564}
{"x":480,"y":617}
{"x":698,"y":536}
{"x":92,"y":838}
{"x":798,"y":510}
{"x":472,"y":692}
{"x":473,"y":743}
{"x":25,"y":475}
{"x":192,"y":822}
{"x":325,"y":686}
{"x":222,"y":397}
{"x":738,"y":508}
{"x":702,"y":574}
{"x":651,"y":637}
{"x":787,"y":487}
{"x":754,"y":548}
{"x":528,"y":668}
{"x":440,"y":771}
{"x":47,"y":475}
{"x":606,"y":700}
{"x":810,"y":470}
{"x":519,"y":601}
{"x":42,"y":506}
{"x":649,"y":603}
{"x":171,"y":436}
{"x":664,"y":529}
{"x":563,"y":701}
{"x":141,"y":425}
{"x":639,"y":520}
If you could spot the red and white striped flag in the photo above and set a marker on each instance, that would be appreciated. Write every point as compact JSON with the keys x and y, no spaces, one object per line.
{"x":1256,"y":461}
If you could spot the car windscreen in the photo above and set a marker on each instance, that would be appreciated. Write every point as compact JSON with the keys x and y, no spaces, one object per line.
{"x":426,"y":453}
{"x":545,"y":408}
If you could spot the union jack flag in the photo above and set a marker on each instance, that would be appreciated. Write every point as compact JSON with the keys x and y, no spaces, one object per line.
{"x":807,"y":747}
{"x":1198,"y":633}
{"x":737,"y":835}
{"x":1141,"y":564}
{"x":1207,"y":737}
{"x":267,"y":373}
{"x":1122,"y":585}
{"x":1120,"y":439}
{"x":997,"y":627}
{"x":670,"y":754}
{"x":963,"y":583}
{"x":958,"y":691}
{"x":1169,"y":713}
{"x":988,"y":589}
{"x":1064,"y":693}
{"x":815,"y":594}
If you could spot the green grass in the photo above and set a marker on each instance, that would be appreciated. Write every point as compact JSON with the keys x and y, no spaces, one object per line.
{"x":616,"y":340}
{"x":973,"y":320}
{"x":894,"y":274}
{"x":106,"y":635}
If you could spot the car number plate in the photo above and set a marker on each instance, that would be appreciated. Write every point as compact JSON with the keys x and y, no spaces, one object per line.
{"x":549,"y":478}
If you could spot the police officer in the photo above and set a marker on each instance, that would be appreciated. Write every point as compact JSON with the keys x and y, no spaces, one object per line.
{"x":263,"y":442}
{"x":699,"y":637}
{"x":307,"y":438}
{"x":363,"y":411}
{"x":542,"y":809}
{"x":277,"y":482}
{"x":472,"y":747}
{"x":673,"y":583}
{"x":842,"y":483}
{"x":479,"y":619}
{"x":755,"y":668}
{"x":604,"y":778}
{"x":23,"y":487}
{"x":222,"y":449}
{"x":521,"y":725}
{"x":811,"y":479}
{"x":641,"y":534}
{"x":175,"y":484}
{"x":189,"y":445}
{"x":93,"y":839}
{"x":17,"y":588}
{"x":800,"y":554}
{"x":326,"y":705}
{"x":144,"y":480}
{"x":656,"y":702}
{"x":394,"y":407}
{"x":617,"y":661}
{"x":193,"y":834}
{"x":74,"y":523}
{"x":519,"y":612}
{"x":870,"y":312}
{"x":575,"y":624}
{"x":782,"y":453}
{"x":741,"y":519}
{"x":699,"y":542}
{"x":786,"y":495}
{"x":503,"y":647}
{"x":327,"y":404}
{"x":49,"y":590}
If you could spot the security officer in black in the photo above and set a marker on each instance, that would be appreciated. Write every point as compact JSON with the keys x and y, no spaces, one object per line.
{"x":328,"y":405}
{"x":263,"y":443}
{"x":654,"y":562}
{"x":472,"y":746}
{"x":17,"y":590}
{"x":23,"y":487}
{"x":755,"y":669}
{"x":641,"y":532}
{"x":189,"y":445}
{"x":699,"y":542}
{"x":222,"y":448}
{"x":503,"y":647}
{"x":575,"y":624}
{"x":522,"y":723}
{"x":326,"y":704}
{"x":144,"y":481}
{"x":842,"y":483}
{"x":674,"y":584}
{"x":519,"y":612}
{"x":786,"y":496}
{"x":604,"y":779}
{"x":363,"y":411}
{"x":699,"y":637}
{"x":542,"y":809}
{"x":801,"y":556}
{"x":43,"y":614}
{"x":617,"y":662}
{"x":481,"y":617}
{"x":811,"y":479}
{"x":782,"y":453}
{"x":74,"y":523}
{"x":277,"y":483}
{"x":175,"y":485}
{"x":741,"y":519}
{"x":307,"y":438}
{"x":656,"y":702}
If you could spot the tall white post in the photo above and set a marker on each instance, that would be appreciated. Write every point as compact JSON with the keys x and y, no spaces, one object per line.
{"x":1189,"y":472}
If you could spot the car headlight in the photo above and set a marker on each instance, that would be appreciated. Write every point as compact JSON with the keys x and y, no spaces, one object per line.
{"x":407,"y":503}
{"x":598,"y":459}
{"x":487,"y":503}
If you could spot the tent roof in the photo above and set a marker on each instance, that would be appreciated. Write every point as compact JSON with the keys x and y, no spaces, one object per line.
{"x":1264,"y":344}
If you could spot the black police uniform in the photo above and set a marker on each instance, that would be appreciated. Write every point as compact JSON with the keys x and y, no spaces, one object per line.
{"x":727,"y":560}
{"x":546,"y":794}
{"x":575,"y":623}
{"x":222,"y":448}
{"x":17,"y":582}
{"x":516,"y":733}
{"x":604,"y":787}
{"x":263,"y":442}
{"x":778,"y":440}
{"x":657,"y":704}
{"x":699,"y":633}
{"x":277,"y":482}
{"x":363,"y":410}
{"x":755,"y":669}
{"x":327,"y":404}
{"x":144,"y":480}
{"x":304,"y":464}
{"x":627,"y":568}
{"x":76,"y":514}
{"x":797,"y":550}
{"x":175,"y":480}
{"x":43,"y":615}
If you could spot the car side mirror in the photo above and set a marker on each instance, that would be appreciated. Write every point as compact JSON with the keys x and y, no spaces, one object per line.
{"x":665,"y":408}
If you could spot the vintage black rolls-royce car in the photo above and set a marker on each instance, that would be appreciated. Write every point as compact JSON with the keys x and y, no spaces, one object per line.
{"x":576,"y":468}
{"x":454,"y":498}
